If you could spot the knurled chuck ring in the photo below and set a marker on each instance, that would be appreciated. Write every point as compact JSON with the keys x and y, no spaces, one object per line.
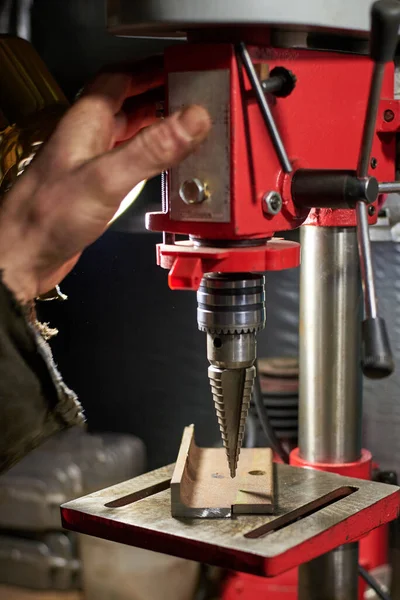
{"x":231,"y":303}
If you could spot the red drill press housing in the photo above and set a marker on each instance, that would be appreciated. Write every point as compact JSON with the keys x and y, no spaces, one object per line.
{"x":321,"y":125}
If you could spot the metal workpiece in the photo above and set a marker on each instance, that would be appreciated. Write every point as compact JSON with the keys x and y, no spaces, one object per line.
{"x":168,"y":18}
{"x":329,"y":346}
{"x":333,"y":576}
{"x":317,"y":512}
{"x":231,"y":309}
{"x":202,"y":489}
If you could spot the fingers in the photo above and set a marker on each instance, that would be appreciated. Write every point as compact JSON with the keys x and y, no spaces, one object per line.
{"x":91,"y":127}
{"x":157,"y":148}
{"x":144,"y":75}
{"x":138,"y":112}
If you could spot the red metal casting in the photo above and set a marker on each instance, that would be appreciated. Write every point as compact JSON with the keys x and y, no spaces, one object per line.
{"x":360,"y":469}
{"x":188,"y":263}
{"x":321,"y":125}
{"x":240,"y":586}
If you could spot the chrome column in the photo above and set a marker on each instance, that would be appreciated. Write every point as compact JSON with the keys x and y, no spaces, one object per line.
{"x":330,"y":383}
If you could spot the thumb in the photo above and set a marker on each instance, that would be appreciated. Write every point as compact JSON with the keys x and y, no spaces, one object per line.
{"x":155,"y":149}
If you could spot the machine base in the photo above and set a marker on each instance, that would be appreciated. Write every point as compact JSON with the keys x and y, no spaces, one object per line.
{"x":315,"y":513}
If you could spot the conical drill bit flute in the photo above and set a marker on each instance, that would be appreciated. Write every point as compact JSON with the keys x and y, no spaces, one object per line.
{"x":231,"y":309}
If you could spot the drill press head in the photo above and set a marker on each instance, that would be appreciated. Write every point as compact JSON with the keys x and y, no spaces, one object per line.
{"x":231,"y":310}
{"x":265,"y":167}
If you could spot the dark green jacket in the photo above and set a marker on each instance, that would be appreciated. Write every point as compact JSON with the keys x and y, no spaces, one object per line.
{"x":34,"y":401}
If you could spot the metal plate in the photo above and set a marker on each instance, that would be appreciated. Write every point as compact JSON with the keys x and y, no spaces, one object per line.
{"x":315,"y":513}
{"x":171,"y":17}
{"x":211,"y":162}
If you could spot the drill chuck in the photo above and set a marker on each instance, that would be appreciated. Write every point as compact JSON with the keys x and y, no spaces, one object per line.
{"x":231,"y":303}
{"x":231,"y":309}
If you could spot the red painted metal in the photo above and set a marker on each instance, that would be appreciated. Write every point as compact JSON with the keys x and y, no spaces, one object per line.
{"x":360,"y":469}
{"x":188,"y":263}
{"x":321,"y":124}
{"x":240,"y":586}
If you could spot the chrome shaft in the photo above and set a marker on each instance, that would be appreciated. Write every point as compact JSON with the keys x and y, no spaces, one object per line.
{"x":330,"y":383}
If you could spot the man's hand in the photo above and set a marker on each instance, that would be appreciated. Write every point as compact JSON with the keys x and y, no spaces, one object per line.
{"x":72,"y":190}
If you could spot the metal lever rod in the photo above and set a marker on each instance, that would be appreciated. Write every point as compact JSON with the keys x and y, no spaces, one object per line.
{"x":389,"y":187}
{"x":370,"y":119}
{"x":366,"y":266}
{"x":364,"y":245}
{"x":377,"y":361}
{"x":264,"y":107}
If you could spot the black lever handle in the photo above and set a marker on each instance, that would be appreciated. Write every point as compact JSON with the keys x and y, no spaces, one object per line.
{"x":385,"y":21}
{"x":377,"y":360}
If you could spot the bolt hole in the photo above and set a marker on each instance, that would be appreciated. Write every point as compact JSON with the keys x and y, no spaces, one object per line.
{"x":258,"y":473}
{"x":217,"y":342}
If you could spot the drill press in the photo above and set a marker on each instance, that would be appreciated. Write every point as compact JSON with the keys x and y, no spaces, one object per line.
{"x":304,"y":134}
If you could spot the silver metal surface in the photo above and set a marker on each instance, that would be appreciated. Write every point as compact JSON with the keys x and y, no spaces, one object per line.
{"x":330,"y":401}
{"x":366,"y":266}
{"x":231,"y":309}
{"x":172,"y":17}
{"x":330,"y":374}
{"x":138,"y":512}
{"x":193,"y":191}
{"x":232,"y":390}
{"x":333,"y":576}
{"x":391,"y":187}
{"x":210,"y":164}
{"x":231,"y":303}
{"x":272,"y":203}
{"x":232,"y":351}
{"x":265,"y":109}
{"x":387,"y":227}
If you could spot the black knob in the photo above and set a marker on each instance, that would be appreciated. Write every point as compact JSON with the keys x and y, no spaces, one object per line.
{"x":385,"y":16}
{"x":377,"y":361}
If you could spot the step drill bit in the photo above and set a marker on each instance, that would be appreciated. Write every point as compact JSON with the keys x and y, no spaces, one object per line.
{"x":231,"y":310}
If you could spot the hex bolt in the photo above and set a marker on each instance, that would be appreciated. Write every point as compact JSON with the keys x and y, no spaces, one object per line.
{"x":272,"y":203}
{"x":194,"y":191}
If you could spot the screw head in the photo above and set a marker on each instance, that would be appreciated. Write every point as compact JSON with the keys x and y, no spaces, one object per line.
{"x":388,"y":115}
{"x":193,"y":191}
{"x":374,"y":163}
{"x":272,"y":203}
{"x":371,"y":210}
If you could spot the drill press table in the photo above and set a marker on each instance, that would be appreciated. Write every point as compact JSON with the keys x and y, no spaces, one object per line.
{"x":315,"y":513}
